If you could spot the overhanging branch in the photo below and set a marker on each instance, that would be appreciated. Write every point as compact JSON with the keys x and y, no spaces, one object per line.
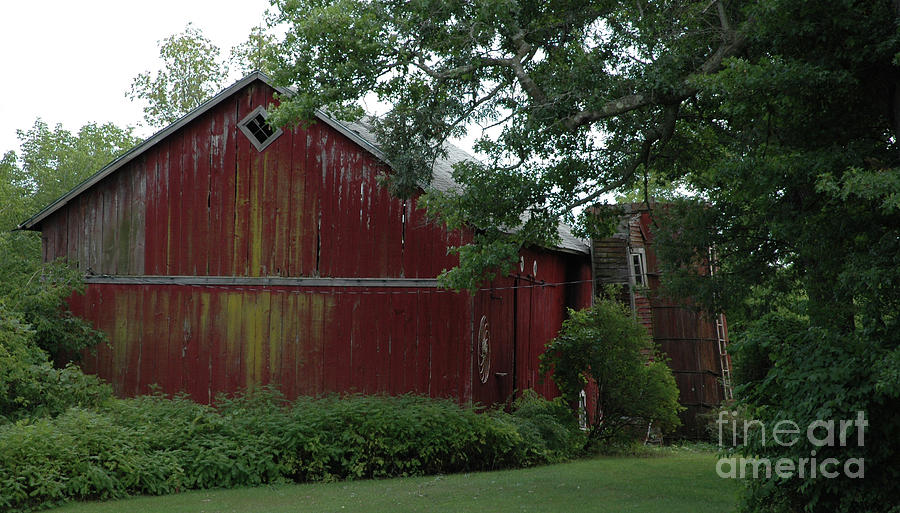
{"x":660,"y":134}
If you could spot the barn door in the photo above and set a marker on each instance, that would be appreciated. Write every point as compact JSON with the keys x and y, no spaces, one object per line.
{"x":526,"y":362}
{"x":494,"y":341}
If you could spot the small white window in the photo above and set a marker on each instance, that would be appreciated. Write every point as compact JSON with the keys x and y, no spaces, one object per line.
{"x":638,"y":265}
{"x":257,"y":130}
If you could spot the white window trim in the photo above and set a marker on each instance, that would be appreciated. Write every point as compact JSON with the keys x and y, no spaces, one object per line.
{"x":643,"y":262}
{"x":260,"y":146}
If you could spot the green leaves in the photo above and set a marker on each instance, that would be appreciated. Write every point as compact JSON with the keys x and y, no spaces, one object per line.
{"x":52,"y":161}
{"x":605,"y":352}
{"x":805,"y":379}
{"x":191,"y":73}
{"x":30,"y":387}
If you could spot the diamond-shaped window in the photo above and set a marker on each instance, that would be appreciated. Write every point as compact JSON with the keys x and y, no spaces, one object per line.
{"x":258,"y":130}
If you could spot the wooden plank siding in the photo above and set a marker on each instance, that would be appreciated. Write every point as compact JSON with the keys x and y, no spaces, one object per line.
{"x":305,"y":340}
{"x":525,"y":311}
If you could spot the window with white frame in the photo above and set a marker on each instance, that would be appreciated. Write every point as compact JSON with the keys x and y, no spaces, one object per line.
{"x":638,"y":263}
{"x":255,"y":127}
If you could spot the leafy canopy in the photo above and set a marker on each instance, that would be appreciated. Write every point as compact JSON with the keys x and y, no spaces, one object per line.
{"x":582,"y":97}
{"x":254,"y":54}
{"x":50,"y":163}
{"x":193,"y":71}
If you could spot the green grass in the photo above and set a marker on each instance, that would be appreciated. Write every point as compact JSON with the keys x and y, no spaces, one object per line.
{"x":668,"y":481}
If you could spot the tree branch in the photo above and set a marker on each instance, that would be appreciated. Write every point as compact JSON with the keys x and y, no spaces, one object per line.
{"x":723,"y":17}
{"x":477,"y":103}
{"x":734,"y":43}
{"x":661,"y":134}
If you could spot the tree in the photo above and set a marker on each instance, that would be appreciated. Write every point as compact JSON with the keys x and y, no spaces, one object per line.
{"x":584,"y":96}
{"x":50,"y":163}
{"x":30,"y":386}
{"x":191,"y":74}
{"x":781,"y":118}
{"x":256,"y":53}
{"x":12,"y":201}
{"x":605,"y":352}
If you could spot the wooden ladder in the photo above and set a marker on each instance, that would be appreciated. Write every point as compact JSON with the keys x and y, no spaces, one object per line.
{"x":723,"y":357}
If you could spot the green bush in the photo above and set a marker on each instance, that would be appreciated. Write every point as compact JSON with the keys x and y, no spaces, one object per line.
{"x":818,"y":375}
{"x":379,"y":436}
{"x":38,"y":293}
{"x":603,"y":348}
{"x":80,"y":454}
{"x":29,"y":384}
{"x":157,"y":445}
{"x":549,"y":426}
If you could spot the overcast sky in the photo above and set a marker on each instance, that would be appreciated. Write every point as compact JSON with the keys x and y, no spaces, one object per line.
{"x":71,"y":62}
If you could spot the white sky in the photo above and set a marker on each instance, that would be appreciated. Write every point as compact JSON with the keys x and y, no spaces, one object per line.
{"x":71,"y":61}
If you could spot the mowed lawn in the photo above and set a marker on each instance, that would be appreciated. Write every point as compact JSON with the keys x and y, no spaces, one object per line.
{"x":671,"y":481}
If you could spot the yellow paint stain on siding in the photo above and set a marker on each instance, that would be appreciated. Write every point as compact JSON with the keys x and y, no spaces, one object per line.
{"x":204,"y":341}
{"x":320,"y":317}
{"x":257,"y":324}
{"x":288,"y":346}
{"x":301,"y":313}
{"x":204,"y":299}
{"x":233,"y":302}
{"x":268,"y":335}
{"x":276,"y":336}
{"x":239,"y":260}
{"x":256,"y":219}
{"x":316,"y":323}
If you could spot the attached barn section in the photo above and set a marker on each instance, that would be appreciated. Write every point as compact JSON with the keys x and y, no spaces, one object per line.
{"x":694,"y":341}
{"x":220,"y":254}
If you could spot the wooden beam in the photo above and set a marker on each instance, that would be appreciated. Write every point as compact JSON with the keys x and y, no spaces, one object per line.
{"x":265,"y":281}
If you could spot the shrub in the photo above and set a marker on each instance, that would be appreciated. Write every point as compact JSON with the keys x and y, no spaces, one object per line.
{"x":548,"y":425}
{"x":29,"y":385}
{"x":78,"y":455}
{"x":818,"y":375}
{"x":379,"y":436}
{"x":605,"y":349}
{"x":38,"y":293}
{"x":157,"y":445}
{"x":17,"y":355}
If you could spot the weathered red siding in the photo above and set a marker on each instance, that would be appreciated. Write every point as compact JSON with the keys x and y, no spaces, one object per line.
{"x":209,"y":339}
{"x":525,"y":311}
{"x":204,"y":202}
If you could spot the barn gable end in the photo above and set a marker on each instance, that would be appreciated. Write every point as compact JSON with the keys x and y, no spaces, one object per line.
{"x":203,"y":201}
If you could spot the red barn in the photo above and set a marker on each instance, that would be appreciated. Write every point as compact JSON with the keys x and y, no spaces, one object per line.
{"x":220,"y":254}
